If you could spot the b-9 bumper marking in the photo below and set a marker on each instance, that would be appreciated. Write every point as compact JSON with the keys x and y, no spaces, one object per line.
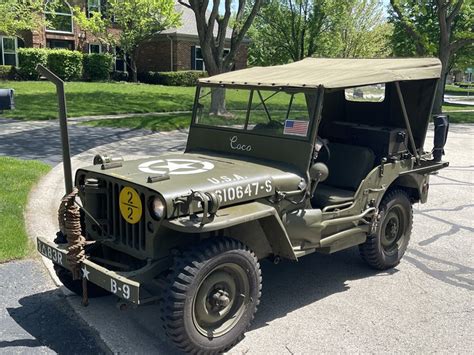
{"x":110,"y":280}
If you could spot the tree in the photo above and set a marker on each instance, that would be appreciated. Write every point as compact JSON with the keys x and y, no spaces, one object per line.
{"x":212,"y":28}
{"x":138,"y":20}
{"x":17,"y":16}
{"x":364,"y":32}
{"x":290,"y":30}
{"x":444,"y":28}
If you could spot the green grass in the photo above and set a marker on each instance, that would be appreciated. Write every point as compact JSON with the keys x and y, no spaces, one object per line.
{"x":155,"y":123}
{"x":454,"y":107}
{"x":37,"y":100}
{"x":461,"y":117}
{"x":456,"y":90}
{"x":16,"y":179}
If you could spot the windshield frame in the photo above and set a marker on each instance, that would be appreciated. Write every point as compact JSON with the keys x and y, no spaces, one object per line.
{"x":256,"y":92}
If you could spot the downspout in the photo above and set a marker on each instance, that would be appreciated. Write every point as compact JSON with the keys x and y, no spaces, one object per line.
{"x":171,"y":51}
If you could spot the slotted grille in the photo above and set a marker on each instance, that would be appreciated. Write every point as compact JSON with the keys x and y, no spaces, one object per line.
{"x":130,"y":235}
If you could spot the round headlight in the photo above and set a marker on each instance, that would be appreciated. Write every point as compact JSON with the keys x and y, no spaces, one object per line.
{"x":157,"y":207}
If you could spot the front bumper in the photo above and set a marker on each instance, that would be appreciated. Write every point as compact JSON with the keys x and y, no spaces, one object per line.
{"x":112,"y":281}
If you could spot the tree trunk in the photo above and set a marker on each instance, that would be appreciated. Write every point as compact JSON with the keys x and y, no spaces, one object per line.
{"x":218,"y":107}
{"x":133,"y":67}
{"x":444,"y":54}
{"x":439,"y":98}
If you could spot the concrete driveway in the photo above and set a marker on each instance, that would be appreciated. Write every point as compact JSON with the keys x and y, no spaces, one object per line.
{"x":328,"y":303}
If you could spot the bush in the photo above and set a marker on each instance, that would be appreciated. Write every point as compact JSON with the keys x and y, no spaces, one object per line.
{"x":7,"y":72}
{"x":178,"y":78}
{"x":464,"y":85}
{"x":97,"y":66}
{"x":28,"y":59}
{"x":119,"y":76}
{"x":65,"y":63}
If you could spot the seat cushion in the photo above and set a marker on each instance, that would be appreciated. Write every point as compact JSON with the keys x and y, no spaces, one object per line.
{"x":326,"y":195}
{"x":348,"y":165}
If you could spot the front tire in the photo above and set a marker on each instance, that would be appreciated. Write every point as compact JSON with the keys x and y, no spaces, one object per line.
{"x":212,"y":295}
{"x":384,"y":249}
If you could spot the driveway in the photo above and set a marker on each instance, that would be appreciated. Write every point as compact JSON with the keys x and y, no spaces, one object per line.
{"x":323,"y":303}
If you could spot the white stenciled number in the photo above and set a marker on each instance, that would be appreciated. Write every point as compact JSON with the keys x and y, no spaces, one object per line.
{"x":231,"y":193}
{"x":126,"y":292}
{"x":239,"y":191}
{"x":113,"y":286}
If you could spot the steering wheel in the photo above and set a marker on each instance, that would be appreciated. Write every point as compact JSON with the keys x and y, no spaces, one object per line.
{"x":322,"y":143}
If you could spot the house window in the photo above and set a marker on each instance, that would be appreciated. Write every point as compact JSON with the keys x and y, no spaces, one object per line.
{"x":197,"y":60}
{"x":59,"y":17}
{"x":93,"y":6}
{"x":60,"y":44}
{"x":8,"y":51}
{"x":120,"y":63}
{"x":95,"y":48}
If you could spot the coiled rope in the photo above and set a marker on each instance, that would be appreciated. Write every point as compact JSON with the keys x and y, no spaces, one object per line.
{"x":69,"y":218}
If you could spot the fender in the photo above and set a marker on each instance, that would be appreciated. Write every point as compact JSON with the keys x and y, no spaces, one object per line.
{"x":266,"y":215}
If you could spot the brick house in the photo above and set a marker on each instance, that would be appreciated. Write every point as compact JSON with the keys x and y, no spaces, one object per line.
{"x":171,"y":50}
{"x":178,"y":48}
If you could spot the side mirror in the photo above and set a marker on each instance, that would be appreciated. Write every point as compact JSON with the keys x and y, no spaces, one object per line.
{"x":441,"y":126}
{"x":318,"y":172}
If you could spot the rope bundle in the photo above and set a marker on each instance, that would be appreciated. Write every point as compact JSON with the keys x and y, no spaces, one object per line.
{"x":69,"y":218}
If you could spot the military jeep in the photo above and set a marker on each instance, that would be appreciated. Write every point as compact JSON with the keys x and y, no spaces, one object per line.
{"x":281,"y":162}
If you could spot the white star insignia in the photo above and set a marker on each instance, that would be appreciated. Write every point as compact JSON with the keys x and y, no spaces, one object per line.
{"x":85,"y":272}
{"x":176,"y":166}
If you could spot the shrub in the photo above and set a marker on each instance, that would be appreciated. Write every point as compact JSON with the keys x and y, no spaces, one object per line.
{"x":28,"y":59}
{"x":97,"y":66}
{"x":7,"y":72}
{"x":119,"y":76}
{"x":65,"y":63}
{"x":178,"y":78}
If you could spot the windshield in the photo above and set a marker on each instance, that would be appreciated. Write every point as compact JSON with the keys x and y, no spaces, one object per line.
{"x":268,"y":112}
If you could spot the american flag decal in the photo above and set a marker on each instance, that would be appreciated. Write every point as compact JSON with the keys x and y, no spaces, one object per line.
{"x":296,"y":128}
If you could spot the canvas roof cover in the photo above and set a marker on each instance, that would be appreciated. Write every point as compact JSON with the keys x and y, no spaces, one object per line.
{"x":332,"y":73}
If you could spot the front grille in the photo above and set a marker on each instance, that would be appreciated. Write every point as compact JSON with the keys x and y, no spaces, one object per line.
{"x":130,"y":235}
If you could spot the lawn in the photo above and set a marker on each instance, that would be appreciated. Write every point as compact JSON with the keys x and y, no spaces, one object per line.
{"x":154,"y":123}
{"x":16,"y":180}
{"x":35,"y":100}
{"x":461,"y":117}
{"x":456,"y":90}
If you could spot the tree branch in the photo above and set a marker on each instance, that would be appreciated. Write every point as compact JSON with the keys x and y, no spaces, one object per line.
{"x":185,"y":4}
{"x":410,"y":29}
{"x":455,"y":12}
{"x":460,"y":43}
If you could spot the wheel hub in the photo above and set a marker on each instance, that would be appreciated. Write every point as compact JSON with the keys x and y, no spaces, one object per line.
{"x":219,"y":300}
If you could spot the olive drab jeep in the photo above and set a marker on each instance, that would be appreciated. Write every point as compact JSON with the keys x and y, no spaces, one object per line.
{"x":315,"y":156}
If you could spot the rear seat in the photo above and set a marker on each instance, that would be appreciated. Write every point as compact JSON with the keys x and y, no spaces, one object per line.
{"x":348,"y":166}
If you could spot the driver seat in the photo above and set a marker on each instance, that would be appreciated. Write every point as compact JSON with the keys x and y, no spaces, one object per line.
{"x":348,"y":165}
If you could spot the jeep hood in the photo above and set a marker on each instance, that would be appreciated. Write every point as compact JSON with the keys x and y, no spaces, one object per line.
{"x":173,"y":175}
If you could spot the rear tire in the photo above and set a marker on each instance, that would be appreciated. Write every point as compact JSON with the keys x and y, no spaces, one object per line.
{"x":75,"y":286}
{"x":384,"y":249}
{"x":211,"y":296}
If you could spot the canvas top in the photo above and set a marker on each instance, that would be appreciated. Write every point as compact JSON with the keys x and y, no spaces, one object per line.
{"x":331,"y":73}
